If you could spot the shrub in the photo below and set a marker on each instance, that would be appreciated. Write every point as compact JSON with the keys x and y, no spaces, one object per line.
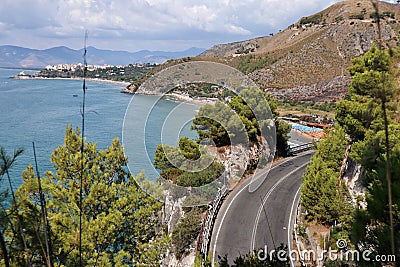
{"x":315,"y":19}
{"x":186,"y":231}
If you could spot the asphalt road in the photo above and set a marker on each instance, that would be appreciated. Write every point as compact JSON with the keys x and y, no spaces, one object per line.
{"x":297,"y":138}
{"x":249,"y":221}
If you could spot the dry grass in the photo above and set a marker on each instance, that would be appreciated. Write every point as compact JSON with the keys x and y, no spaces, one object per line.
{"x":310,"y":54}
{"x":299,"y":111}
{"x":303,"y":55}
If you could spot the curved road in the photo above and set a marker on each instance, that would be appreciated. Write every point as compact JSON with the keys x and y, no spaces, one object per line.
{"x":250,"y":221}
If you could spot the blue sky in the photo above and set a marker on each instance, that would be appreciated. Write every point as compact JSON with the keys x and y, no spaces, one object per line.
{"x":169,"y":25}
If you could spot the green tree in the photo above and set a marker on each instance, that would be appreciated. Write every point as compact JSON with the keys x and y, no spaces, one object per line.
{"x":372,"y":226}
{"x":323,"y":195}
{"x":189,"y":148}
{"x":247,"y":116}
{"x":356,"y":114}
{"x":219,"y":123}
{"x":3,"y":224}
{"x":186,"y":231}
{"x":372,"y":84}
{"x":368,"y":104}
{"x":6,"y":162}
{"x":188,"y":164}
{"x":120,"y":225}
{"x":368,"y":118}
{"x":201,"y":177}
{"x":282,"y":137}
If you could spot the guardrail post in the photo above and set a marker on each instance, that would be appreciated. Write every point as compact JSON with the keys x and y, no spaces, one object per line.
{"x":212,"y":212}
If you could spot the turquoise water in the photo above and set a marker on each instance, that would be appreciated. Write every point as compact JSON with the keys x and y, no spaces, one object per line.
{"x":40,"y":110}
{"x":304,"y":128}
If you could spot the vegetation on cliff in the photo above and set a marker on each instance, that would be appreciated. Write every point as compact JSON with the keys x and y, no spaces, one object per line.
{"x":368,"y":117}
{"x":368,"y":114}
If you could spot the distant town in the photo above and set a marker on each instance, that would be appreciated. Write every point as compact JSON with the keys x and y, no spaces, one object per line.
{"x":119,"y":73}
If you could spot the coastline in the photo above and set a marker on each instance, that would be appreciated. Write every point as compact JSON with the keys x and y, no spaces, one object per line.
{"x":125,"y":90}
{"x":184,"y":98}
{"x":26,"y":77}
{"x":176,"y":97}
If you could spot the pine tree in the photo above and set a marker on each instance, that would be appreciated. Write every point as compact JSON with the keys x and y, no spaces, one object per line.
{"x":367,"y":116}
{"x":120,"y":224}
{"x":323,"y":196}
{"x":219,"y":123}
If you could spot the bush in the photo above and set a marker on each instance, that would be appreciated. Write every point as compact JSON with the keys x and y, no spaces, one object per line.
{"x":250,"y":63}
{"x":322,"y":197}
{"x":357,"y":16}
{"x":315,"y":19}
{"x":202,"y":177}
{"x":186,"y":231}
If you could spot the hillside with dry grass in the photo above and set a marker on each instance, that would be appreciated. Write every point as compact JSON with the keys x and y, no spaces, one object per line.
{"x":308,"y":60}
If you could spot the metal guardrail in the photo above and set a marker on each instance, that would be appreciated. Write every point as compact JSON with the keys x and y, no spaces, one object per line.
{"x":301,"y":148}
{"x":213,"y":208}
{"x":210,"y":219}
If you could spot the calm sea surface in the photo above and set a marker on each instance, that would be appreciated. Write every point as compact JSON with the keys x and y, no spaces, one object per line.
{"x":40,"y":110}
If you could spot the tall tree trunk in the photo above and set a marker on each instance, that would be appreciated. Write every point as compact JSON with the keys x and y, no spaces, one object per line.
{"x":383,"y":99}
{"x":20,"y":221}
{"x":388,"y":177}
{"x":44,"y":214}
{"x":4,"y":249}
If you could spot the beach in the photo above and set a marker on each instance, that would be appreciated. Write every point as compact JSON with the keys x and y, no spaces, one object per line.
{"x":30,"y":77}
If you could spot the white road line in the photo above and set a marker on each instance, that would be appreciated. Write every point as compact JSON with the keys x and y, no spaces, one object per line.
{"x":253,"y":236}
{"x":234,"y":197}
{"x":290,"y":225}
{"x":222,"y":220}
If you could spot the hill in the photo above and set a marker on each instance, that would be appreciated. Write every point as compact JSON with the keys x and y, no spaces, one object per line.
{"x":308,"y":60}
{"x":15,"y":56}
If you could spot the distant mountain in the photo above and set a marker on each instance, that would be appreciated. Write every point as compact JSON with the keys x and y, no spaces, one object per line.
{"x":15,"y":56}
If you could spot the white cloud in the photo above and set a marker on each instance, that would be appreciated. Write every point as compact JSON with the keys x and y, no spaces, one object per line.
{"x":117,"y":23}
{"x":27,"y":14}
{"x":237,"y":30}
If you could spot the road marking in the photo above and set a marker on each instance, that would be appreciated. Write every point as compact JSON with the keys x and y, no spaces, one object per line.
{"x":235,"y":196}
{"x":290,"y":224}
{"x":222,"y":220}
{"x":253,"y":236}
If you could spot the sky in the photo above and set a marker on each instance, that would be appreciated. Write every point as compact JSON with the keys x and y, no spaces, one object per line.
{"x":132,"y":25}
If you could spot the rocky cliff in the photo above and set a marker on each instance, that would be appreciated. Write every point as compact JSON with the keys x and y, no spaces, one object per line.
{"x":309,"y":59}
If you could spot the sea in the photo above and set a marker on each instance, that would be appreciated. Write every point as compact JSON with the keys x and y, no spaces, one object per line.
{"x":33,"y":110}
